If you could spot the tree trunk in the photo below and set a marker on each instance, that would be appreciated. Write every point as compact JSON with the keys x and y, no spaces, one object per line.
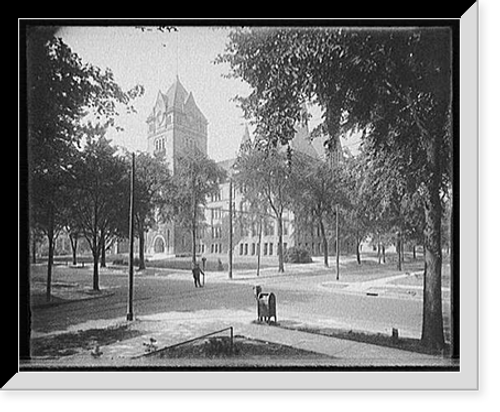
{"x":281,"y":265}
{"x":95,"y":244}
{"x":414,"y":252}
{"x":432,"y":325}
{"x":259,"y":246}
{"x":325,"y":242}
{"x":73,"y":240}
{"x":358,"y":254}
{"x":103,"y":254}
{"x":383,"y":254}
{"x":96,"y":249}
{"x":50,"y":262}
{"x":398,"y":247}
{"x":95,"y":275}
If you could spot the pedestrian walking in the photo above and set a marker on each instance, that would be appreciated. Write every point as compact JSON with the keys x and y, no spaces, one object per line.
{"x":196,"y":275}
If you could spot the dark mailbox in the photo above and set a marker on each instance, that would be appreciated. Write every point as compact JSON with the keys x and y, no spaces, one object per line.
{"x":266,"y":307}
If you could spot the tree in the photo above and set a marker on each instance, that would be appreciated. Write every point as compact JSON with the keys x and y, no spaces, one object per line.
{"x":61,"y":92}
{"x":316,"y":189}
{"x":195,"y":178}
{"x":101,"y":186}
{"x":48,"y":201}
{"x":265,"y":174}
{"x":393,"y":85}
{"x":356,"y":210}
{"x":153,"y":192}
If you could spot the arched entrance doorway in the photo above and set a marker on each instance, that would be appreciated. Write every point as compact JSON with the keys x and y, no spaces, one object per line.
{"x":159,"y":245}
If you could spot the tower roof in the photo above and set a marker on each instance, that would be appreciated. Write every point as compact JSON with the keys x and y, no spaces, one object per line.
{"x":176,"y":95}
{"x":177,"y":98}
{"x":246,"y":141}
{"x":301,"y":142}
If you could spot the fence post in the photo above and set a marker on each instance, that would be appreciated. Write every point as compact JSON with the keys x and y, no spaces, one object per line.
{"x":232,"y":337}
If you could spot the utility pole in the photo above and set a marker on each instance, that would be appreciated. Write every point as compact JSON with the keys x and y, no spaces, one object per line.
{"x":230,"y":228}
{"x":130,"y":311}
{"x":337,"y":246}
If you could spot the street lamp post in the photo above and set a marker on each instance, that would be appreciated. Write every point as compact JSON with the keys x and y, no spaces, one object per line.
{"x":130,"y":311}
{"x":230,"y":228}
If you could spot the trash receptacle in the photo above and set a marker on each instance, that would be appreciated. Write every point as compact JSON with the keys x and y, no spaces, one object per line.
{"x":266,"y":307}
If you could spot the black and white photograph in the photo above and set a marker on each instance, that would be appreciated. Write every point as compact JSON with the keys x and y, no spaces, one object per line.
{"x":249,"y":196}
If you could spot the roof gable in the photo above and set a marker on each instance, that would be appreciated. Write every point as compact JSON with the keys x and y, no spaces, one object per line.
{"x":191,"y":107}
{"x":176,"y":95}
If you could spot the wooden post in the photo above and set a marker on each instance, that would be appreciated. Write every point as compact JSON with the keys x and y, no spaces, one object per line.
{"x":130,"y":311}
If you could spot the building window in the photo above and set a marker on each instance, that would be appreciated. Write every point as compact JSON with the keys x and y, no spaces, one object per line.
{"x":241,"y":248}
{"x":270,"y":249}
{"x":246,"y":248}
{"x":253,"y":249}
{"x":265,"y":249}
{"x":216,"y":232}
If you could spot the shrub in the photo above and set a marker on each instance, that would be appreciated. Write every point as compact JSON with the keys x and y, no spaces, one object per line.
{"x":297,"y":255}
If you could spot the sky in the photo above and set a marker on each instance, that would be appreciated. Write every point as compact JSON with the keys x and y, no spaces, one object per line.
{"x":153,"y":58}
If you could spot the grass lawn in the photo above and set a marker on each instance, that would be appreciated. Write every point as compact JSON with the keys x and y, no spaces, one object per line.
{"x":367,"y":270}
{"x":240,"y":348}
{"x":67,"y":344}
{"x":380,"y":339}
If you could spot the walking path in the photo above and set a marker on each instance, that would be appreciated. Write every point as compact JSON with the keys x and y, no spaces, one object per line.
{"x":171,"y":328}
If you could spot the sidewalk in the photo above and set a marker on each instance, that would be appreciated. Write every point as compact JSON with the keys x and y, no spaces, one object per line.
{"x":175,"y":327}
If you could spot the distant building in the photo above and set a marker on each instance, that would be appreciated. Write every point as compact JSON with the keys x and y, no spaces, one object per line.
{"x":176,"y":124}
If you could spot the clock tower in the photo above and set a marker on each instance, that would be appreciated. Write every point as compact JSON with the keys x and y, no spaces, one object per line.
{"x":176,"y":125}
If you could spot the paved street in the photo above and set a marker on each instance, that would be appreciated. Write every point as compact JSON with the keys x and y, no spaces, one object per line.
{"x":316,"y":300}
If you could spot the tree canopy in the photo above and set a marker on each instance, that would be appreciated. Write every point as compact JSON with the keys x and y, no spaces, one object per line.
{"x":391,"y":85}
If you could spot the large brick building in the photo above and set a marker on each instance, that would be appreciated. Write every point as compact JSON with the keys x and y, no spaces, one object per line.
{"x":176,"y":124}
